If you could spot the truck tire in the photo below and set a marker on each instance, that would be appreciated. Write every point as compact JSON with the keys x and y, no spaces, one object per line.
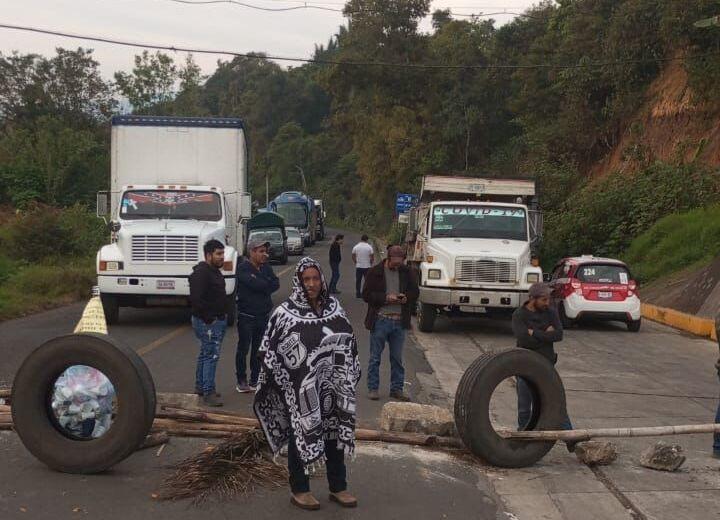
{"x":472,"y":406}
{"x":426,"y":317}
{"x":38,"y":429}
{"x":111,"y":308}
{"x":231,"y":310}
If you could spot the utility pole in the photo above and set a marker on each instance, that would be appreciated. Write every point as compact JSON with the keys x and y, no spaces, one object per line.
{"x":267,"y":190}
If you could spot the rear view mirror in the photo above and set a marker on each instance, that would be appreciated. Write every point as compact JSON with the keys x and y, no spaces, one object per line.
{"x":102,"y":209}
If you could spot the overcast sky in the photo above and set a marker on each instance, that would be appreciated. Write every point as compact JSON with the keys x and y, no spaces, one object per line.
{"x":220,"y":26}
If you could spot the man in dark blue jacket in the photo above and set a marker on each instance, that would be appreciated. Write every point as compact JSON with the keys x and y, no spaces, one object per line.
{"x":256,"y":282}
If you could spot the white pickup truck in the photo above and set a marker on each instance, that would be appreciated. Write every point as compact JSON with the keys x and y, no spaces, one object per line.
{"x":176,"y":182}
{"x":472,"y":241}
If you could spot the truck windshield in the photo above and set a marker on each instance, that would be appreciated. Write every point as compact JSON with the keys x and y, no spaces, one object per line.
{"x":461,"y":221}
{"x":152,"y":204}
{"x":294,"y":213}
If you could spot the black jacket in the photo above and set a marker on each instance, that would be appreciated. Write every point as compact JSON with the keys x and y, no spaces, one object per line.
{"x":375,"y":293}
{"x":335,"y":255}
{"x":207,"y":292}
{"x":255,"y":288}
{"x":541,"y":340}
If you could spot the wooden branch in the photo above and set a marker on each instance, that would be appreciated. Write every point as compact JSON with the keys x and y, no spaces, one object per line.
{"x":583,"y":435}
{"x":413,"y":439}
{"x":5,"y":393}
{"x":161,"y":424}
{"x":5,"y":408}
{"x":155,"y":439}
{"x":206,"y":417}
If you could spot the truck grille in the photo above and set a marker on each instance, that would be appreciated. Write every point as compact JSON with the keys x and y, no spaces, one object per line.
{"x":165,"y":248}
{"x":486,"y":270}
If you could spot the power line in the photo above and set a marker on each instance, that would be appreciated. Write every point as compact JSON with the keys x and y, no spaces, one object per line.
{"x":174,"y":48}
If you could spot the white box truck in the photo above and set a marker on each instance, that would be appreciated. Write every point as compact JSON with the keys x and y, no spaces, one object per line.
{"x":175,"y":183}
{"x":472,"y":241}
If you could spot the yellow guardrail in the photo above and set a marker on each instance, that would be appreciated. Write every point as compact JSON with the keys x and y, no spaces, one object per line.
{"x":679,"y":320}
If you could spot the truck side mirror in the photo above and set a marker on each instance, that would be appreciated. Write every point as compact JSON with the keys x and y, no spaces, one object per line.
{"x":103,"y":204}
{"x":245,"y":206}
{"x":114,"y":227}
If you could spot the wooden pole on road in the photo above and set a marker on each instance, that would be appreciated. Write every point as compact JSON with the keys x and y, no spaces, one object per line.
{"x":584,"y":435}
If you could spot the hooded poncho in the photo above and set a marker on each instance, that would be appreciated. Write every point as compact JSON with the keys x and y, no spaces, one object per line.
{"x":309,"y":374}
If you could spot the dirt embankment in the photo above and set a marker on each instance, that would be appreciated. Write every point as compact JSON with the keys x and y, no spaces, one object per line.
{"x":671,"y":125}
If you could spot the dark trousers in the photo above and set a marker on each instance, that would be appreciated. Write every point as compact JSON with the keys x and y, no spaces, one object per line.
{"x":335,"y":465}
{"x":335,"y":267}
{"x":250,"y":334}
{"x":525,"y":406}
{"x":716,"y":437}
{"x":359,"y":277}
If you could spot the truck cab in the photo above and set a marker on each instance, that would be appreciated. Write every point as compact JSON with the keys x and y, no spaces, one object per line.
{"x":472,"y":241}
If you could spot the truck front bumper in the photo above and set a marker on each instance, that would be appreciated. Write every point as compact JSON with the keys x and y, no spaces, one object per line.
{"x":139,"y":285}
{"x":469,"y":299}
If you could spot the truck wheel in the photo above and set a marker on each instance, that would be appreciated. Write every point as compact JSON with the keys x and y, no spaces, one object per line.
{"x":231,"y":310}
{"x":472,"y":406}
{"x":634,"y":326}
{"x":426,"y":317}
{"x":111,"y":308}
{"x":133,"y":407}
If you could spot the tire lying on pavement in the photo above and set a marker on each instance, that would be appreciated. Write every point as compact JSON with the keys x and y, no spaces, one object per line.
{"x":35,"y":422}
{"x":472,"y":406}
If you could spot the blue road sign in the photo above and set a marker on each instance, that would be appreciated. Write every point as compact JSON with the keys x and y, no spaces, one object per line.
{"x":404,"y":201}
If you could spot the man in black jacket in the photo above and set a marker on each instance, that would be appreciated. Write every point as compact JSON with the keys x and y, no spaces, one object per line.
{"x":335,"y":259}
{"x":256,"y":282}
{"x":537,"y":326}
{"x":209,"y":319}
{"x":390,"y":290}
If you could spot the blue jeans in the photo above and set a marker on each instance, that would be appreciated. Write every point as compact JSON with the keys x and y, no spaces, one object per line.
{"x":211,"y":338}
{"x":716,"y":437}
{"x":392,"y":333}
{"x":335,"y":276}
{"x":251,"y":330}
{"x":525,"y":406}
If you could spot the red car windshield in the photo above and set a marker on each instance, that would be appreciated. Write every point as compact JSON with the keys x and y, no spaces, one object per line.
{"x":603,"y":273}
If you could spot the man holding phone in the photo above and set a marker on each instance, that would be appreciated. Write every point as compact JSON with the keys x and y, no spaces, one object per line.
{"x":390,"y":290}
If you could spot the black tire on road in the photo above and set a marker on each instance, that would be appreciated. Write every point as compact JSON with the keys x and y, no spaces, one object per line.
{"x":40,"y":433}
{"x":426,"y":317}
{"x":231,"y":310}
{"x":111,"y":308}
{"x":566,"y":322}
{"x":634,"y":326}
{"x":472,"y":406}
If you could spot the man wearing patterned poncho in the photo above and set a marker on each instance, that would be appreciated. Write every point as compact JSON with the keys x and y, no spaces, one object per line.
{"x":306,"y":390}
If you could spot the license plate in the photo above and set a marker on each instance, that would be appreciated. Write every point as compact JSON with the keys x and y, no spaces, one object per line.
{"x":165,"y":284}
{"x":606,"y":295}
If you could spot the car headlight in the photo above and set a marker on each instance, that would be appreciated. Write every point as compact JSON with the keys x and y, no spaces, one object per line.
{"x":434,"y":274}
{"x":533,"y":278}
{"x":110,"y":266}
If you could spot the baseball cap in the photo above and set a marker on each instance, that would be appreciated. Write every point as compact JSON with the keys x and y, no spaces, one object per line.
{"x":539,"y":290}
{"x":256,"y":242}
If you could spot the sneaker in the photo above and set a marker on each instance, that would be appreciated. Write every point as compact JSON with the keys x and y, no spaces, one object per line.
{"x":570,"y":445}
{"x":212,"y":400}
{"x":399,"y":395}
{"x":373,"y":395}
{"x":200,"y":393}
{"x":244,"y":388}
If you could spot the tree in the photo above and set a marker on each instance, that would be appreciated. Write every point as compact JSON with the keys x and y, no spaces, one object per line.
{"x":152,"y":85}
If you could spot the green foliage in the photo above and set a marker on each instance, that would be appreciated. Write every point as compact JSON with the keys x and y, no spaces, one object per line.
{"x":603,"y":217}
{"x":676,"y":242}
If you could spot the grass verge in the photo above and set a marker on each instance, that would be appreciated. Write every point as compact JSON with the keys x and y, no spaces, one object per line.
{"x":676,"y":242}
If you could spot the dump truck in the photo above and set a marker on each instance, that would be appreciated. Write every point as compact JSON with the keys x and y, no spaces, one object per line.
{"x":473,"y":243}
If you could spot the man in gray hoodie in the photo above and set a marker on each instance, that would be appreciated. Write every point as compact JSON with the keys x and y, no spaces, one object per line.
{"x":537,"y":326}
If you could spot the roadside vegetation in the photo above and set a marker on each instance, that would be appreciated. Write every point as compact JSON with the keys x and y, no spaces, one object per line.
{"x":47,"y":258}
{"x":362,"y":134}
{"x":676,"y":242}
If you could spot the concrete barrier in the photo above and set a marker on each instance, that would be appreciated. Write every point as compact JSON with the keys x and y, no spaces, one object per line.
{"x":679,"y":320}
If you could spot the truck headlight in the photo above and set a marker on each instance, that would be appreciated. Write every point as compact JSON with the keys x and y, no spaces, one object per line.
{"x":434,"y":274}
{"x":110,"y":266}
{"x":533,"y":278}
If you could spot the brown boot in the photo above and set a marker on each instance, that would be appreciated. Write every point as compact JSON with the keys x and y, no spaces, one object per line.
{"x":305,"y":501}
{"x":344,"y":498}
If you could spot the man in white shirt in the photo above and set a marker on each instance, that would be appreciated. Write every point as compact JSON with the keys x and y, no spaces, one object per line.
{"x":364,"y":258}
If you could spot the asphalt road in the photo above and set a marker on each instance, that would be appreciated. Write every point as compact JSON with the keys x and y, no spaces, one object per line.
{"x":390,"y":481}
